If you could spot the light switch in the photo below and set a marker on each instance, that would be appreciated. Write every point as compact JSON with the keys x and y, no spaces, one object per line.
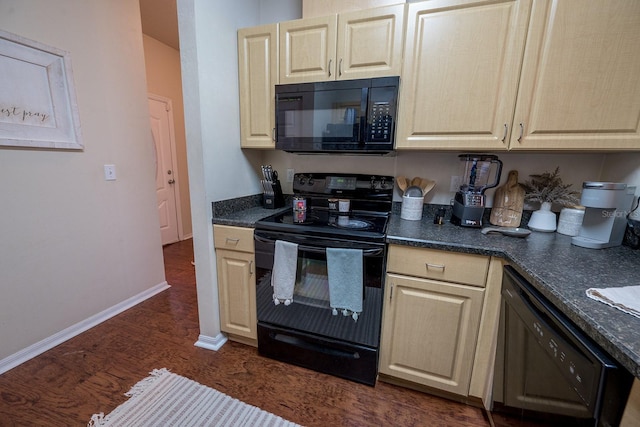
{"x":110,"y":172}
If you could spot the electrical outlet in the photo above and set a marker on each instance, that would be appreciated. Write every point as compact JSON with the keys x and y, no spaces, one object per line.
{"x":109,"y":172}
{"x":455,"y":183}
{"x":290,"y":173}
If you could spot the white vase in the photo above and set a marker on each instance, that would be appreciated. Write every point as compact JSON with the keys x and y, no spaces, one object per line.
{"x":543,"y":219}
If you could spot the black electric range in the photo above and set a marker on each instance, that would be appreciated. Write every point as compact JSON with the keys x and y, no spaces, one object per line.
{"x":370,"y":198}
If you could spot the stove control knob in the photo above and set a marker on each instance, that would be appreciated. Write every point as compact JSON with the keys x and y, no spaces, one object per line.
{"x":302,"y":180}
{"x":310,"y":182}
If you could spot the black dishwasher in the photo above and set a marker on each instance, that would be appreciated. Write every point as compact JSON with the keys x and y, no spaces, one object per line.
{"x":547,"y":369}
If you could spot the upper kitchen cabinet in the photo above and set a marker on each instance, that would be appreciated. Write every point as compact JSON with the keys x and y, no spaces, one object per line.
{"x":258,"y":75}
{"x":460,"y":76}
{"x":580,"y":85}
{"x":362,"y":44}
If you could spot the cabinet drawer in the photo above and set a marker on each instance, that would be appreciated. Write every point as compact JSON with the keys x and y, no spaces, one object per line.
{"x":440,"y":265}
{"x":233,"y":238}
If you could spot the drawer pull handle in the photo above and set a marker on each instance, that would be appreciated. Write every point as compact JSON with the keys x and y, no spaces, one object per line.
{"x":232,"y":241}
{"x":434,"y":266}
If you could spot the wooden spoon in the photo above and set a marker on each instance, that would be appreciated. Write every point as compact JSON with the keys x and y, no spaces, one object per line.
{"x":402,"y":183}
{"x":416,"y":181}
{"x":426,"y":185}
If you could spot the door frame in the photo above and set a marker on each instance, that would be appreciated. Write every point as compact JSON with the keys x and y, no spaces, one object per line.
{"x":174,"y":162}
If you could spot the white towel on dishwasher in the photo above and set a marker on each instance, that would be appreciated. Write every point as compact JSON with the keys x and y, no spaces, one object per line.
{"x":626,"y":298}
{"x":283,"y":275}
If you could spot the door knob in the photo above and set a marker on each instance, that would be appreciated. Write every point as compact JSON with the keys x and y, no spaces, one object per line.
{"x":171,"y":181}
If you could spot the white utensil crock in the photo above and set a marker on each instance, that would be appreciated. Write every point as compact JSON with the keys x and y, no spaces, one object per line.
{"x":412,"y":208}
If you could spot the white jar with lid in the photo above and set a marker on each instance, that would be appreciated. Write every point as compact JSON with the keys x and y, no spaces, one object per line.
{"x":570,"y":221}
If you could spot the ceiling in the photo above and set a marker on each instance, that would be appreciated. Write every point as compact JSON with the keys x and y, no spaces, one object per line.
{"x":160,"y":21}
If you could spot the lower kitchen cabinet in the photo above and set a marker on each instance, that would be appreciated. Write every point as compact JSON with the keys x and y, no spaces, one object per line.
{"x":429,"y":332}
{"x":235,"y":262}
{"x":436,"y":303}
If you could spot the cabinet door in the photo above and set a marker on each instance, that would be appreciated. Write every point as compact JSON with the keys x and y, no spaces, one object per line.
{"x":370,"y":43}
{"x":308,"y":49}
{"x":258,"y":74}
{"x":429,"y":332}
{"x":580,"y":87}
{"x":237,"y":293}
{"x":460,"y":75}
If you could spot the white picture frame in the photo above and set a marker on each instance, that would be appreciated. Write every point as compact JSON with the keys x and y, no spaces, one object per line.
{"x":38,"y":107}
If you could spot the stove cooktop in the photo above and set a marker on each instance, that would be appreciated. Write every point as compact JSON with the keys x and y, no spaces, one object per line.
{"x":317,"y":222}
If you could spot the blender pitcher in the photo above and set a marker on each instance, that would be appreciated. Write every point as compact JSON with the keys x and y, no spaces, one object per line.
{"x":477,"y":171}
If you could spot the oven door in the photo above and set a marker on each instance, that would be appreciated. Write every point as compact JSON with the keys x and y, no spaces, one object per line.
{"x":306,"y":332}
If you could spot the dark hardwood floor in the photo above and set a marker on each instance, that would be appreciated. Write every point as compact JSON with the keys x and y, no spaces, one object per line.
{"x":91,"y":372}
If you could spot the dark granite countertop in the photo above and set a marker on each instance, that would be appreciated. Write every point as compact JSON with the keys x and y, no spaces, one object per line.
{"x":243,"y":211}
{"x":245,"y":218}
{"x":559,"y":270}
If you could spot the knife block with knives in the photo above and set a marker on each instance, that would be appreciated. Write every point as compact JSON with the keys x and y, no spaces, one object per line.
{"x":272,"y":196}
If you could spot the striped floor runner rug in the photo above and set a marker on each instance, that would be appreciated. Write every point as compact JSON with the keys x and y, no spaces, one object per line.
{"x":167,"y":399}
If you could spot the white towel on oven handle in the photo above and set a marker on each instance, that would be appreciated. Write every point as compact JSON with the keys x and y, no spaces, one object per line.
{"x":344,"y":268}
{"x":283,"y":275}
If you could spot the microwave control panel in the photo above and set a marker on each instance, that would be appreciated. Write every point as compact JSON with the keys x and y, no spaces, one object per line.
{"x":380,"y":121}
{"x":381,"y":114}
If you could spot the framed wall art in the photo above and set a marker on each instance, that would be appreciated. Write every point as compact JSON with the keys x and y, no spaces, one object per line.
{"x":38,"y":107}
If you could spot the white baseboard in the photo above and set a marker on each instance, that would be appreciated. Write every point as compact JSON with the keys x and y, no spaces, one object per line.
{"x":40,"y":347}
{"x":211,"y":343}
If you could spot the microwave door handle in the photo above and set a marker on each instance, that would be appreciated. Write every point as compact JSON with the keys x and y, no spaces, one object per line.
{"x":364,"y":117}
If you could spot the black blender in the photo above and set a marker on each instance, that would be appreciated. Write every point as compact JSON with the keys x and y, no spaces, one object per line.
{"x":469,"y":201}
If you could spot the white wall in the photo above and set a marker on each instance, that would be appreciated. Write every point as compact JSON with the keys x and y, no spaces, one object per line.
{"x":574,"y":167}
{"x":218,"y":168}
{"x":624,"y":167}
{"x":73,"y":244}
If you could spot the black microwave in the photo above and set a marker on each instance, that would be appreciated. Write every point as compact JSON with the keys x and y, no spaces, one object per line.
{"x":347,"y":116}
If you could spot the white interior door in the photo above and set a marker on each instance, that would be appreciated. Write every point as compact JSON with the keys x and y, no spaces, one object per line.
{"x":166,"y":174}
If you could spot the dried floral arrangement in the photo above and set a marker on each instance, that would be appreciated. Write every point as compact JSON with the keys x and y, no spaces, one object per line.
{"x":548,"y":187}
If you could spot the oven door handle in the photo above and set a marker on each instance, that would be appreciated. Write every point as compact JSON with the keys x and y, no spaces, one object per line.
{"x":321,"y":250}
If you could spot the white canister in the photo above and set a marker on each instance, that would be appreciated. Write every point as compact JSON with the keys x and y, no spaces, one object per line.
{"x":344,"y":205}
{"x":412,"y":208}
{"x":570,"y":221}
